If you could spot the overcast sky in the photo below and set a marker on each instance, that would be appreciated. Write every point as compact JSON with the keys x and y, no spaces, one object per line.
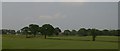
{"x":0,"y":15}
{"x":60,"y":0}
{"x":100,"y":15}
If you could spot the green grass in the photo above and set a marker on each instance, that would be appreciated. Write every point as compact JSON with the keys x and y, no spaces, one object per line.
{"x":0,"y":41}
{"x":61,"y":42}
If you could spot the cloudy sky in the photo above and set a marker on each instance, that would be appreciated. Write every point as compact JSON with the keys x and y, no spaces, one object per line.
{"x":66,"y":15}
{"x":0,"y":15}
{"x":60,"y":0}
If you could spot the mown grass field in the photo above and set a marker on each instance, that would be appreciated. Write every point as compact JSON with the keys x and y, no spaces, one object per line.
{"x":61,"y":42}
{"x":0,"y":41}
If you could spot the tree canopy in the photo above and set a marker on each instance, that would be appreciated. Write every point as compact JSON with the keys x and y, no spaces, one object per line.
{"x":47,"y":29}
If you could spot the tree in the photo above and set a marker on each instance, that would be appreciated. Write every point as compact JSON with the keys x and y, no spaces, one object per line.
{"x":26,"y":31}
{"x":18,"y":32}
{"x":73,"y":32}
{"x":82,"y":32}
{"x":89,"y":32}
{"x":8,"y":31}
{"x":0,"y":31}
{"x":40,"y":30}
{"x":67,"y":32}
{"x":11,"y":31}
{"x":57,"y":31}
{"x":105,"y":32}
{"x":94,"y":33}
{"x":114,"y":32}
{"x":34,"y":29}
{"x":4,"y":31}
{"x":47,"y":29}
{"x":118,"y":32}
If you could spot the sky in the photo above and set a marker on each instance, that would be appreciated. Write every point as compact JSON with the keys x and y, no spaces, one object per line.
{"x":65,"y":15}
{"x":0,"y":15}
{"x":60,"y":0}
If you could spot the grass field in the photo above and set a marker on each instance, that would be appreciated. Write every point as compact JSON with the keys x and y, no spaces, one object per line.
{"x":61,"y":42}
{"x":0,"y":41}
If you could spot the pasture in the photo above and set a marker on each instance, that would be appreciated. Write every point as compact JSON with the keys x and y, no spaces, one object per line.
{"x":59,"y":42}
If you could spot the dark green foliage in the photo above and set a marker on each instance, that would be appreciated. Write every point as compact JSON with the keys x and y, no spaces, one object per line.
{"x":4,"y":31}
{"x":118,"y":32}
{"x":40,"y":30}
{"x":94,"y":33}
{"x":114,"y":32}
{"x":18,"y":32}
{"x":105,"y":32}
{"x":12,"y":32}
{"x":34,"y":29}
{"x":73,"y":32}
{"x":67,"y":32}
{"x":26,"y":30}
{"x":82,"y":32}
{"x":47,"y":29}
{"x":8,"y":31}
{"x":89,"y":32}
{"x":57,"y":31}
{"x":0,"y":31}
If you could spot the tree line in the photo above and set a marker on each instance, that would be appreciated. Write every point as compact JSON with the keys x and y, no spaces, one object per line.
{"x":49,"y":30}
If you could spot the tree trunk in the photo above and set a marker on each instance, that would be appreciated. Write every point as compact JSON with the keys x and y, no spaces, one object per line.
{"x":45,"y":36}
{"x":94,"y":38}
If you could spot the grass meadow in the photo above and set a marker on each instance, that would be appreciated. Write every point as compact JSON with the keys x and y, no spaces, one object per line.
{"x":0,"y":41}
{"x":59,"y":42}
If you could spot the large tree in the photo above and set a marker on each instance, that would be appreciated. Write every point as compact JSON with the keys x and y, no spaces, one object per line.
{"x":82,"y":32}
{"x":67,"y":32}
{"x":8,"y":31}
{"x":34,"y":29}
{"x":89,"y":32}
{"x":73,"y":32}
{"x":26,"y":31}
{"x":106,"y":32}
{"x":47,"y":29}
{"x":94,"y":33}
